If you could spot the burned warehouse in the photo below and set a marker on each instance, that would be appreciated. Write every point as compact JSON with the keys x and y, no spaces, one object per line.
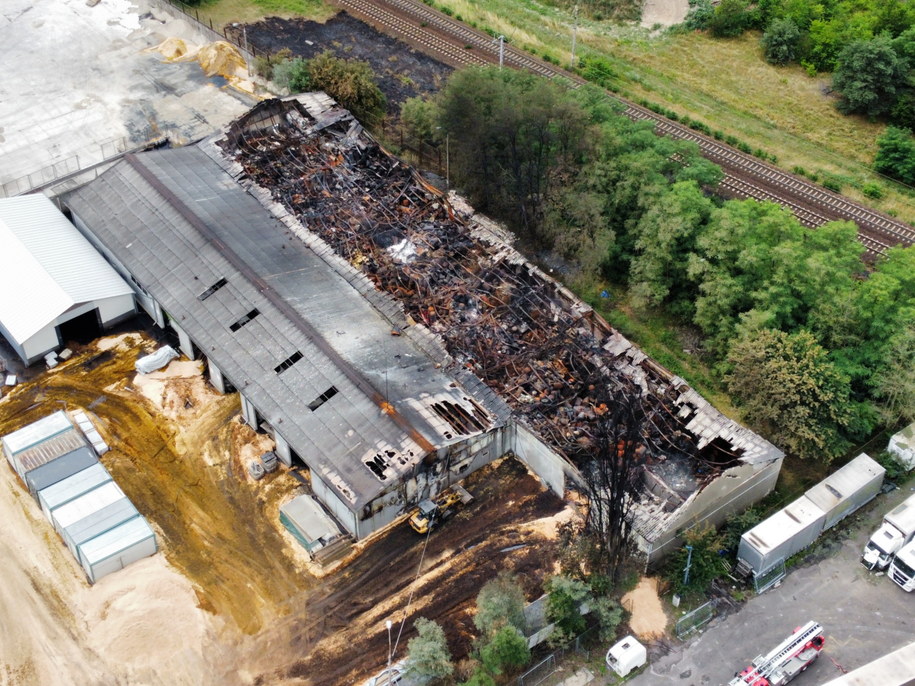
{"x":390,"y":339}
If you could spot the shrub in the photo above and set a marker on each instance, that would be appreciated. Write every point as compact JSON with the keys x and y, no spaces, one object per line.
{"x":872,"y":190}
{"x":832,"y":184}
{"x":427,"y":654}
{"x":781,"y":41}
{"x":506,"y":650}
{"x":293,"y":74}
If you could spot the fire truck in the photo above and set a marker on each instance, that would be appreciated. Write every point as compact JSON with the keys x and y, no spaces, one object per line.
{"x":791,"y":657}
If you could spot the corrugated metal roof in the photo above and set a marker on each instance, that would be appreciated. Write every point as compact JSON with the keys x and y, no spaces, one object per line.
{"x":60,"y":468}
{"x":100,"y":521}
{"x":310,"y":520}
{"x":181,"y":225}
{"x":115,"y":541}
{"x":86,"y":504}
{"x":74,"y":486}
{"x":47,"y":257}
{"x":36,"y":432}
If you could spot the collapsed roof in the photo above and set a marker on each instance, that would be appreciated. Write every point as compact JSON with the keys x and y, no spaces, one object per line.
{"x":455,"y":273}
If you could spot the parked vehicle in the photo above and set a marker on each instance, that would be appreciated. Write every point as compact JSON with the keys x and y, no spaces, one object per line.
{"x":430,"y":513}
{"x":902,"y":568}
{"x":789,"y":658}
{"x":897,"y":529}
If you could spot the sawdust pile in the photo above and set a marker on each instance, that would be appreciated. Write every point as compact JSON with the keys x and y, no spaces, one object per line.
{"x":216,"y":59}
{"x":648,"y":619}
{"x":172,"y":48}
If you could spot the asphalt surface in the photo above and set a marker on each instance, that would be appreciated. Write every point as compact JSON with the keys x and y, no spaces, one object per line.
{"x":864,"y":615}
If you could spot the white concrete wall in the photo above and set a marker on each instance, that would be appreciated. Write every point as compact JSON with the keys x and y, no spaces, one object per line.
{"x":248,"y":412}
{"x":282,"y":449}
{"x":41,"y":343}
{"x":733,"y":491}
{"x":216,"y":377}
{"x":184,"y":340}
{"x":343,"y":514}
{"x":116,"y":308}
{"x":552,"y":469}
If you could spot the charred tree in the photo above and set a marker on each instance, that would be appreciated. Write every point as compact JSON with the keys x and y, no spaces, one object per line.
{"x":613,"y":477}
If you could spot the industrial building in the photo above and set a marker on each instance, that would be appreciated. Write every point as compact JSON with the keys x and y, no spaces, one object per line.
{"x":387,"y":341}
{"x":97,"y":522}
{"x":54,"y":286}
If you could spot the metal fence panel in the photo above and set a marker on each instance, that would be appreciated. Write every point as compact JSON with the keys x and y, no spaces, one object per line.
{"x":767,"y":579}
{"x":695,"y":619}
{"x":539,"y":672}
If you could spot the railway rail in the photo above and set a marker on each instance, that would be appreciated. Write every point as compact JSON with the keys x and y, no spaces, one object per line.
{"x":745,"y":176}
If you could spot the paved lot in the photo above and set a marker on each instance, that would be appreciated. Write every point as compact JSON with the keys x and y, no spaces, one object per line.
{"x":79,"y":85}
{"x":865,"y":616}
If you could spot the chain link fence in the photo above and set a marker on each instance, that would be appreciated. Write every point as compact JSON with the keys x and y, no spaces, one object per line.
{"x":695,"y":619}
{"x":767,"y":579}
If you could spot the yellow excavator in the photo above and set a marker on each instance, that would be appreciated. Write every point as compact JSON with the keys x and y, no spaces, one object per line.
{"x":429,"y":514}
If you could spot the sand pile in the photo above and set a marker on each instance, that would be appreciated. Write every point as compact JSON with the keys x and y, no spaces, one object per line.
{"x":648,"y":619}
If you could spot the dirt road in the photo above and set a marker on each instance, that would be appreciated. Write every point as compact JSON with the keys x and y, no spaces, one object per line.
{"x":228,"y":599}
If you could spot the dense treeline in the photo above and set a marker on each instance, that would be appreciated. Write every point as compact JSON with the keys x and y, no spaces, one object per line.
{"x":818,"y":351}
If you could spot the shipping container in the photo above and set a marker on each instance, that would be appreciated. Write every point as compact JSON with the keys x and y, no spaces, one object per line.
{"x":115,"y":549}
{"x":785,"y":533}
{"x":844,"y":491}
{"x":59,"y":469}
{"x":307,"y":521}
{"x":72,"y":487}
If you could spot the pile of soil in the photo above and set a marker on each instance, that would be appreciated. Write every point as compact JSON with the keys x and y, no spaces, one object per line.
{"x":401,"y":71}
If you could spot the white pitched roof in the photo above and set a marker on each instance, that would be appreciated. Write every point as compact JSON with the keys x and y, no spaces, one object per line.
{"x":47,"y":266}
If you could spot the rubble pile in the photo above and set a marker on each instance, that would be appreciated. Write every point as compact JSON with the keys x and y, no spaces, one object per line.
{"x":542,"y":350}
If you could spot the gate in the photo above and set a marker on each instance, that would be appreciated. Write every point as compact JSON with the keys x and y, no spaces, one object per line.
{"x":539,"y":672}
{"x":767,"y":579}
{"x":691,"y":621}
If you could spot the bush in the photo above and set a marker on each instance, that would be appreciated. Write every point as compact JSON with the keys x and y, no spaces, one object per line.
{"x":894,"y":470}
{"x":705,"y":561}
{"x":730,"y":19}
{"x":699,"y":15}
{"x":565,"y":598}
{"x":896,"y":154}
{"x":264,"y":65}
{"x":351,"y":83}
{"x":506,"y":650}
{"x":872,"y":190}
{"x":736,"y":525}
{"x":293,"y":74}
{"x":832,"y":184}
{"x":500,"y":602}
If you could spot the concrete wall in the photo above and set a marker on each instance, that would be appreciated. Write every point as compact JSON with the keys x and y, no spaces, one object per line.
{"x":338,"y":508}
{"x":552,"y":469}
{"x":733,"y":491}
{"x":43,"y":342}
{"x":115,"y":309}
{"x":216,"y":377}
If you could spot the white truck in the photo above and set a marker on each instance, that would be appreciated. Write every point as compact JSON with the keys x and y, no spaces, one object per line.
{"x":902,"y":569}
{"x":789,"y":658}
{"x":897,"y":529}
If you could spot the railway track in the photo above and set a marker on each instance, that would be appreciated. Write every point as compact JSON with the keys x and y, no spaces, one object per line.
{"x":745,"y":176}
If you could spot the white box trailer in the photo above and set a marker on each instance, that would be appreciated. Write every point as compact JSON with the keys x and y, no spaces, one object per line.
{"x":847,"y":489}
{"x":785,"y":533}
{"x":902,"y":446}
{"x":896,"y":530}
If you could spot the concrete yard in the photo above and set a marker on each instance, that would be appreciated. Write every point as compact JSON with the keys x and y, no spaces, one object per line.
{"x":81,"y":85}
{"x":864,"y":615}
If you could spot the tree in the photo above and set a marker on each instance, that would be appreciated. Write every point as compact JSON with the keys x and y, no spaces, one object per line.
{"x":665,"y":236}
{"x":610,"y":466}
{"x":420,"y":117}
{"x":781,"y":42}
{"x":896,"y":154}
{"x":507,"y":649}
{"x":500,"y":602}
{"x":609,"y":616}
{"x":789,"y":388}
{"x":428,"y":657}
{"x":564,"y":601}
{"x":730,"y":19}
{"x":894,"y":385}
{"x":701,"y":546}
{"x":868,"y":74}
{"x":480,"y":678}
{"x":292,"y":74}
{"x":351,"y":83}
{"x":513,"y":136}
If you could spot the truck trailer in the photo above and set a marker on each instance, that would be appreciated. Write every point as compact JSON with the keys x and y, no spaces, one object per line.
{"x":896,"y":529}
